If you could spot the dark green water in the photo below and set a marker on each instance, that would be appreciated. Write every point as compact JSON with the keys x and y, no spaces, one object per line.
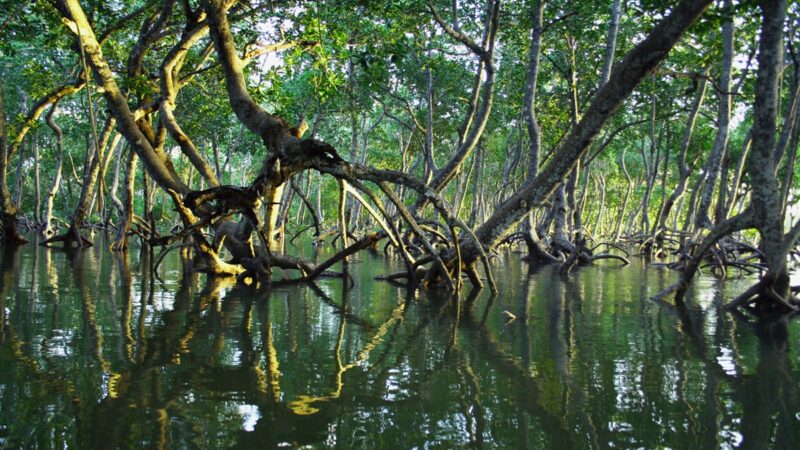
{"x":95,"y":353}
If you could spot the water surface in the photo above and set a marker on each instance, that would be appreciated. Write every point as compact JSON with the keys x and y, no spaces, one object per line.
{"x":97,"y":353}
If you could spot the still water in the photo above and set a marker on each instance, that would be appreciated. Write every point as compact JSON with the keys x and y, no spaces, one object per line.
{"x":97,"y":353}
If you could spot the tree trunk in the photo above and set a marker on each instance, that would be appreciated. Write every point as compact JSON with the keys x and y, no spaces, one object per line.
{"x":92,"y":168}
{"x":37,"y":194}
{"x":693,"y":202}
{"x":536,"y":250}
{"x":628,"y":188}
{"x":49,"y":228}
{"x":765,"y":196}
{"x":651,"y":168}
{"x":430,"y":162}
{"x":601,"y":182}
{"x":476,"y":119}
{"x":121,"y":241}
{"x":18,"y":185}
{"x":611,"y":43}
{"x":116,"y":203}
{"x":476,"y":181}
{"x":9,"y":213}
{"x":561,"y":235}
{"x":637,"y":64}
{"x":683,"y":167}
{"x":215,"y":147}
{"x":713,"y":165}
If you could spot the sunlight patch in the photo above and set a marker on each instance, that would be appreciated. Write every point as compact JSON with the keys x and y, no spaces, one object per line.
{"x":250,"y":415}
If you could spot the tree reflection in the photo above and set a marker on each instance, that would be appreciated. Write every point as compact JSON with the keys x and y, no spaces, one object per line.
{"x":197,"y":361}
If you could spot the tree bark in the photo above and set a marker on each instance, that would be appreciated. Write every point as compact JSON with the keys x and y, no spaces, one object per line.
{"x":683,"y":167}
{"x":37,"y":193}
{"x":170,"y":84}
{"x":116,"y":203}
{"x":611,"y":43}
{"x":765,"y":195}
{"x":713,"y":165}
{"x":473,"y":126}
{"x":8,"y":220}
{"x":48,"y":229}
{"x":121,"y":241}
{"x":155,"y":159}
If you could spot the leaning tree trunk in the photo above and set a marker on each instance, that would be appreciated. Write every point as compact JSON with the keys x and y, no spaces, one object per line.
{"x":636,"y":65}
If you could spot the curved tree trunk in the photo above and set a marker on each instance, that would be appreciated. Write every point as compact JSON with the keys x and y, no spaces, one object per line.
{"x":624,"y":206}
{"x":8,"y":215}
{"x":49,"y":228}
{"x":170,"y":84}
{"x":477,"y":116}
{"x":148,"y":148}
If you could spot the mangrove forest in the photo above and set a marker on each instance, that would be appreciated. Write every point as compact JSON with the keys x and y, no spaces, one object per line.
{"x":399,"y":224}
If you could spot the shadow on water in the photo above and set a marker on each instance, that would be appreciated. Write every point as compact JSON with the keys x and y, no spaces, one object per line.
{"x":98,"y":352}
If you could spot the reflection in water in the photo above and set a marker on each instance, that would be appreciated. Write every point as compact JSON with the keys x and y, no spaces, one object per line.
{"x":96,"y":352}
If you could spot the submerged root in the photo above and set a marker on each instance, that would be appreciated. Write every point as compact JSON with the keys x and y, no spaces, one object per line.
{"x":762,"y":298}
{"x":8,"y":229}
{"x":625,"y":261}
{"x":71,"y":239}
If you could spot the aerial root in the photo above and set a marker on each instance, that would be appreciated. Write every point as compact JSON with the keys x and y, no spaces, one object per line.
{"x":599,"y":256}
